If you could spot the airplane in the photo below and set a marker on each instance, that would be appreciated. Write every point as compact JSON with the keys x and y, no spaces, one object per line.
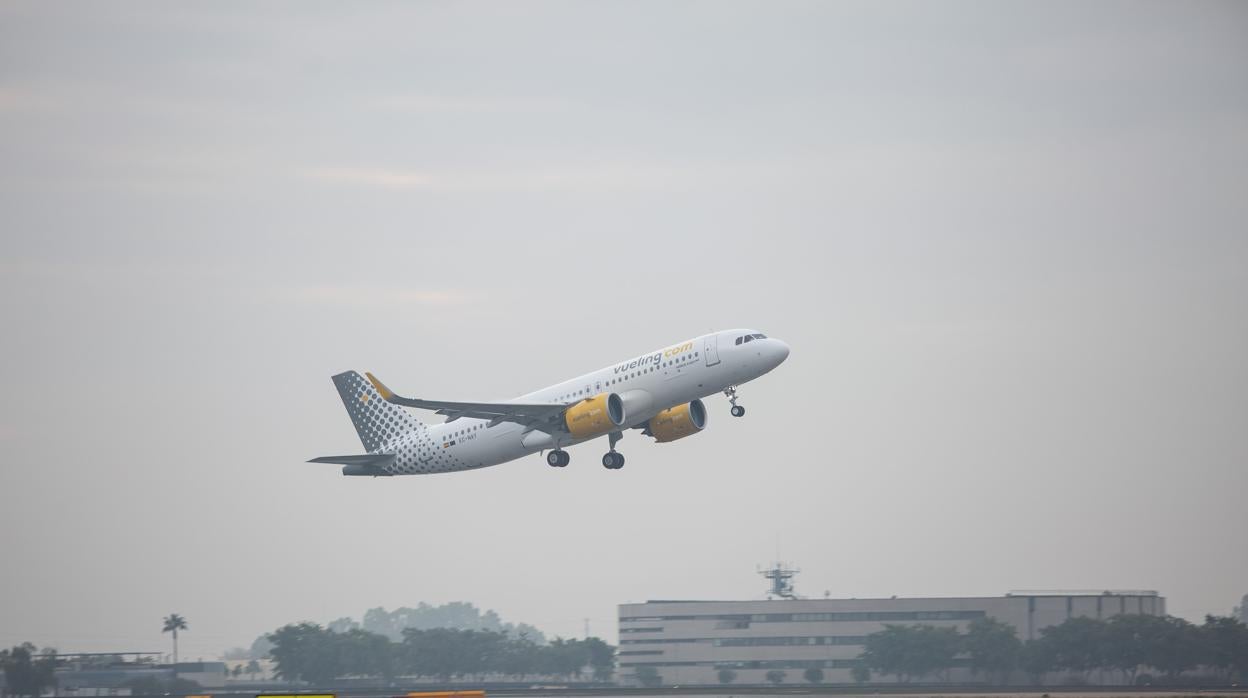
{"x":658,"y":392}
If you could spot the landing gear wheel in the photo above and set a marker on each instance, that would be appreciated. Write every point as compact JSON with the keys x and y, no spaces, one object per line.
{"x":738,"y":411}
{"x":613,"y":459}
{"x":558,"y":458}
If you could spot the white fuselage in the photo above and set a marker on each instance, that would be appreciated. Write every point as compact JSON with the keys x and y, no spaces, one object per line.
{"x":649,"y":383}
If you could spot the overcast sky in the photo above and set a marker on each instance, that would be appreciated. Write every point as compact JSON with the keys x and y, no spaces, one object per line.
{"x":1007,"y":242}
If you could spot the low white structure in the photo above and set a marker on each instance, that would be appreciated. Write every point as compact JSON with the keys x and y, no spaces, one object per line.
{"x":688,"y":642}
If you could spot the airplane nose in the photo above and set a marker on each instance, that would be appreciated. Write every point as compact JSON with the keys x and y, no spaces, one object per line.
{"x":782,"y":351}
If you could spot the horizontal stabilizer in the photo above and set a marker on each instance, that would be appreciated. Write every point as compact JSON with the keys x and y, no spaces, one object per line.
{"x":377,"y":460}
{"x":376,"y":465}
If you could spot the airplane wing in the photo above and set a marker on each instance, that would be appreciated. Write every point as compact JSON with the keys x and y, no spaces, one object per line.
{"x":531,"y":415}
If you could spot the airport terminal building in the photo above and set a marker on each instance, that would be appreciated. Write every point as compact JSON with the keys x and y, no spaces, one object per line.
{"x":688,"y":642}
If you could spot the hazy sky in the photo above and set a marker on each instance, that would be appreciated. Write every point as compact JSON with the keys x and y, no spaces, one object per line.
{"x":1007,"y":242}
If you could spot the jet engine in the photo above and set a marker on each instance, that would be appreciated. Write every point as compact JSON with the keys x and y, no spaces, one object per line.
{"x":677,"y":422}
{"x":595,"y":416}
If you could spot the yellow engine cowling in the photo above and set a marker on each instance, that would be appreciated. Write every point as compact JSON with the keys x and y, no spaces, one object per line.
{"x":678,"y":422}
{"x":595,"y":416}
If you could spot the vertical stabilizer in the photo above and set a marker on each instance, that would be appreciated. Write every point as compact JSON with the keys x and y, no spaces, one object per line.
{"x":376,"y":421}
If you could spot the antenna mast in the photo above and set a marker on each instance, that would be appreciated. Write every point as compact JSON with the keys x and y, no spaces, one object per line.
{"x":781,"y":577}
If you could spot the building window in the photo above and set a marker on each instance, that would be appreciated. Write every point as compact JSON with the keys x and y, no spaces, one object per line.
{"x":843,"y":616}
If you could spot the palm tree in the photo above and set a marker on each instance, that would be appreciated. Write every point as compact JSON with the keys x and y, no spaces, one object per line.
{"x":174,"y":623}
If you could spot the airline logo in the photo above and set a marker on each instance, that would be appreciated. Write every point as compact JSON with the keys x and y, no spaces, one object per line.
{"x":677,"y":351}
{"x":655,"y":358}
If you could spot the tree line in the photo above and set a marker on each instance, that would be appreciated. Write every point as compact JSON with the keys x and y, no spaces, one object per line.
{"x":459,"y":615}
{"x":1127,"y":645}
{"x":317,"y":655}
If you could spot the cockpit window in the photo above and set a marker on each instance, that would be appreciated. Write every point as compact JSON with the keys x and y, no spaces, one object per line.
{"x":739,"y":339}
{"x":759,"y":336}
{"x":749,"y":338}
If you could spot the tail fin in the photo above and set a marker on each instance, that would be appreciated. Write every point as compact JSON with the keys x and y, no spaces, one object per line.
{"x":376,"y":421}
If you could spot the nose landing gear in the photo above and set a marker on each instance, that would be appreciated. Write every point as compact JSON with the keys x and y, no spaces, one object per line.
{"x":737,"y":410}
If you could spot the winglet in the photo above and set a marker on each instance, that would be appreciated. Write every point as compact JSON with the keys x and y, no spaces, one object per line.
{"x":386,"y":393}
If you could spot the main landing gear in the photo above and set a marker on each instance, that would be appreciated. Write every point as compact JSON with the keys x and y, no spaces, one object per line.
{"x":558,"y":458}
{"x":737,"y":410}
{"x":613,"y":460}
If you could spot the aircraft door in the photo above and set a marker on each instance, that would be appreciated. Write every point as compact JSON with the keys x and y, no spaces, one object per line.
{"x":710,"y":349}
